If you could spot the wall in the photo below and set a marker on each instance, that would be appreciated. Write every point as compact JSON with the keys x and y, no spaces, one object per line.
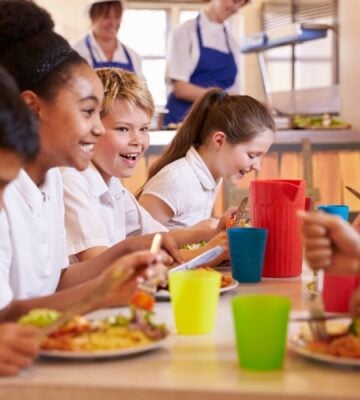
{"x":349,"y":11}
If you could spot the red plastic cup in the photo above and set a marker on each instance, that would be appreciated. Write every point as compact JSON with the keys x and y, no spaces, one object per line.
{"x":337,"y":292}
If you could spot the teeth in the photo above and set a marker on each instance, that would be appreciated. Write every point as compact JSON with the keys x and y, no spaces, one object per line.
{"x":130,"y":156}
{"x":87,"y":146}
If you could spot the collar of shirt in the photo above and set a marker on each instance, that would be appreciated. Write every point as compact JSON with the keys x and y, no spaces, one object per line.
{"x":215,"y":26}
{"x":108,"y":192}
{"x":100,"y":55}
{"x":200,"y":169}
{"x":34,"y":196}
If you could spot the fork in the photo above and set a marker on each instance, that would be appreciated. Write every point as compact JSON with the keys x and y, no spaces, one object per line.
{"x":241,"y":211}
{"x":316,"y":310}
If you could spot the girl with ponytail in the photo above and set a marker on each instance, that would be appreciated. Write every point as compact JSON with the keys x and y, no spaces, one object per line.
{"x":223,"y":137}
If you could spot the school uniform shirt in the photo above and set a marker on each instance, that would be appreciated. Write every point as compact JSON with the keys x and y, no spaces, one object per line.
{"x":204,"y":53}
{"x":124,"y":57}
{"x":187,"y":187}
{"x":32,"y":238}
{"x":99,"y":213}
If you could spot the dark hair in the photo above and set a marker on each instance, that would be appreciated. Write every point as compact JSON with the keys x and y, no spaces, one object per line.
{"x":38,"y":58}
{"x":103,"y":9}
{"x":241,"y":118}
{"x":18,"y":129}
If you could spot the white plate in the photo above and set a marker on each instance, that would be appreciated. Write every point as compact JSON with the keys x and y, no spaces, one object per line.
{"x":298,"y":346}
{"x":103,"y":354}
{"x":165,"y":295}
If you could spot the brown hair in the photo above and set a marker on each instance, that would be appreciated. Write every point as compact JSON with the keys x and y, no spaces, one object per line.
{"x":103,"y":9}
{"x":241,"y":118}
{"x":121,"y":84}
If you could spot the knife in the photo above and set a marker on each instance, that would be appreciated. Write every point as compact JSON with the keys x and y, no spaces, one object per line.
{"x":200,"y":260}
{"x":241,"y":211}
{"x":353,"y":191}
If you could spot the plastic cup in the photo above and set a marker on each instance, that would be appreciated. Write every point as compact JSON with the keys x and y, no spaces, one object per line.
{"x":337,"y":289}
{"x":336,"y":209}
{"x":247,"y":253}
{"x":194,"y":297}
{"x":260,"y":323}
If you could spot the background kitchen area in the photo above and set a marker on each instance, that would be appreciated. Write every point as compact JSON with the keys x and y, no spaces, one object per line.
{"x":300,"y":56}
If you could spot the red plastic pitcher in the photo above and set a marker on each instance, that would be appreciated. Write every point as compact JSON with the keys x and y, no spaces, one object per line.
{"x":273,"y":206}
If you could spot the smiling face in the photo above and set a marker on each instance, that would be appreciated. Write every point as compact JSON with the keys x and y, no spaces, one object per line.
{"x":232,"y":162}
{"x":106,"y":26}
{"x":70,"y":124}
{"x":10,"y":164}
{"x":125,"y":140}
{"x":224,"y":9}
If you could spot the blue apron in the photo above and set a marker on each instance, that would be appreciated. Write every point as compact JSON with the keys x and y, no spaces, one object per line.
{"x":108,"y":64}
{"x":214,"y":69}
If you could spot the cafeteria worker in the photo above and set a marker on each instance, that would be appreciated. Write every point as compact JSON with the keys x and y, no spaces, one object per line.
{"x":101,"y":46}
{"x":202,"y":55}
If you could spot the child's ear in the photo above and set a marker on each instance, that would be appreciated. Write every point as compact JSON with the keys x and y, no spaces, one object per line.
{"x":32,"y":101}
{"x":218,"y":139}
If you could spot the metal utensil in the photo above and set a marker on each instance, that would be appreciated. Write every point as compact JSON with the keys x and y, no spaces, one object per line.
{"x":326,"y":317}
{"x":315,"y":305}
{"x":150,"y":286}
{"x":353,"y":191}
{"x":200,"y":260}
{"x":241,"y":211}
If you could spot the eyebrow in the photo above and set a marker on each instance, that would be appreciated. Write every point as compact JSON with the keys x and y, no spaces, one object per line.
{"x":91,"y":97}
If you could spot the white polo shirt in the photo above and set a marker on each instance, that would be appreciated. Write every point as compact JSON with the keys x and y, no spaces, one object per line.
{"x":99,"y":213}
{"x":187,"y":187}
{"x":183,"y":50}
{"x":119,"y":55}
{"x":32,"y":238}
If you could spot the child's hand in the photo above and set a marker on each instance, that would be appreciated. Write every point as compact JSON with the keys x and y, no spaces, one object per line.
{"x":219,"y":240}
{"x":18,"y":347}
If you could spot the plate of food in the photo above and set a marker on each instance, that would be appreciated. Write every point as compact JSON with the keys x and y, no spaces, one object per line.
{"x":227,"y":284}
{"x":342,"y":348}
{"x":117,"y":336}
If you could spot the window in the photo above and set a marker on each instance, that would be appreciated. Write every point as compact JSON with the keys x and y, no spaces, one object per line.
{"x":151,"y":44}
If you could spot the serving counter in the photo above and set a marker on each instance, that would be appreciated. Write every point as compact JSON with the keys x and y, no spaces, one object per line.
{"x":188,"y":367}
{"x":328,"y":159}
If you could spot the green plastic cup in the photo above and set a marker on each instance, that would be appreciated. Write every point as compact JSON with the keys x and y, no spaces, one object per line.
{"x":194,"y":297}
{"x":260,"y":323}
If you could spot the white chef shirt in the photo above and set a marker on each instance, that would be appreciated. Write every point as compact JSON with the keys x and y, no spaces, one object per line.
{"x":99,"y":213}
{"x":32,"y":238}
{"x":183,"y":51}
{"x":119,"y":55}
{"x":187,"y":187}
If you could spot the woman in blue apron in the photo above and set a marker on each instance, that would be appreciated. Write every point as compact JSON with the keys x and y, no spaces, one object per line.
{"x":101,"y":47}
{"x":213,"y":53}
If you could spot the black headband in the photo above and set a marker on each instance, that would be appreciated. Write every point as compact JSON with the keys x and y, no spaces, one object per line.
{"x":43,"y":67}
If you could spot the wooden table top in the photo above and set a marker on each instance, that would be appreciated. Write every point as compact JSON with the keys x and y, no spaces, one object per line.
{"x":188,"y":367}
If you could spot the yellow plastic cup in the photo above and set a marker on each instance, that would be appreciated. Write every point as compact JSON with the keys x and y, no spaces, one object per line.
{"x":194,"y":297}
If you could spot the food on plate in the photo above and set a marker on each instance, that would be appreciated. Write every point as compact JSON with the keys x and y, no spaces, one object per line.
{"x":344,"y":341}
{"x":143,"y":300}
{"x":243,"y":223}
{"x":226,"y":278}
{"x":39,"y":317}
{"x":194,"y":246}
{"x":82,"y":334}
{"x":322,"y":121}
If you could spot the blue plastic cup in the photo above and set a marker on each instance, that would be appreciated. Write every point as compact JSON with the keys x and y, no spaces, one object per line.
{"x":247,"y":252}
{"x":336,"y":209}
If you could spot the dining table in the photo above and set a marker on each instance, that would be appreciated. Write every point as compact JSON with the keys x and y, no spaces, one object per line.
{"x":202,"y":367}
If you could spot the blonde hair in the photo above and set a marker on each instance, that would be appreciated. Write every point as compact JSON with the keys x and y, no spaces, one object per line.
{"x":120,"y":84}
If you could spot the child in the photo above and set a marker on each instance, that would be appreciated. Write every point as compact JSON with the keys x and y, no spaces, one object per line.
{"x":65,"y":95}
{"x":19,"y":142}
{"x":223,"y":136}
{"x":99,"y":211}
